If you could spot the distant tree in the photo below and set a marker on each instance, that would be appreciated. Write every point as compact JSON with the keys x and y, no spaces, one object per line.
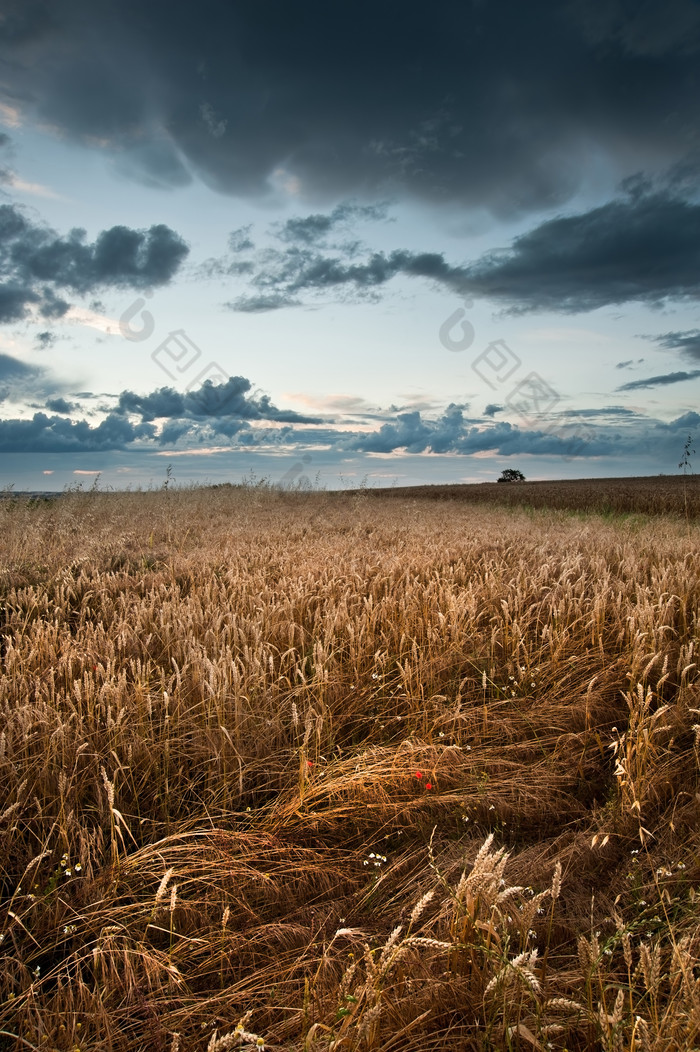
{"x":511,"y":475}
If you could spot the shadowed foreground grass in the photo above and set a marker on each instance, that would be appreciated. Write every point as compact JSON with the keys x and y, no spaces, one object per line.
{"x":331,"y":771}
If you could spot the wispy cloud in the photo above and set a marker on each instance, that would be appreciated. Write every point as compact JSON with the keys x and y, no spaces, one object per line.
{"x":659,"y":381}
{"x":11,"y":179}
{"x":687,"y":342}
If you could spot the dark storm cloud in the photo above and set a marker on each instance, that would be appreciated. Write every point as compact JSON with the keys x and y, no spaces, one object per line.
{"x":37,"y":265}
{"x":688,"y":342}
{"x":201,"y":418}
{"x":641,"y":28}
{"x":45,"y":339}
{"x":496,"y":105}
{"x":44,"y":434}
{"x":60,"y":405}
{"x":644,"y":248}
{"x":451,"y":433}
{"x":659,"y":381}
{"x":491,"y":409}
{"x":193,"y":416}
{"x":230,"y":400}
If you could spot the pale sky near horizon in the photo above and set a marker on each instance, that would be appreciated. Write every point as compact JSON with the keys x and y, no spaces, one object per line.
{"x":371,"y":242}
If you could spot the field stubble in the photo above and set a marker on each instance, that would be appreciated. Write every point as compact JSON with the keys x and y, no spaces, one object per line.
{"x":326,"y":771}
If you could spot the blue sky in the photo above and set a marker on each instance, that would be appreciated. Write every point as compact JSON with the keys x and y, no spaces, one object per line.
{"x":384,"y":247}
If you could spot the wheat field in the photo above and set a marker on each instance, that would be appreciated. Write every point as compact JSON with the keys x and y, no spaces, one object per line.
{"x":337,"y":771}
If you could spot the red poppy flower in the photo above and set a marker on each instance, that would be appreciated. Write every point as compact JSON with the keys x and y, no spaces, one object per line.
{"x":428,"y":785}
{"x":419,"y":774}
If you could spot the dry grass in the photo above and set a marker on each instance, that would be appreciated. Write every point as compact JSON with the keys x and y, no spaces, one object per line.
{"x":334,"y":771}
{"x":677,"y":495}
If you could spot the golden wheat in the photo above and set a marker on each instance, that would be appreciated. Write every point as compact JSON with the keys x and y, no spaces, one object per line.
{"x":343,"y":771}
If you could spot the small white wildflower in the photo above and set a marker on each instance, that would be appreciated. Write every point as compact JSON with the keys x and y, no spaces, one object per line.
{"x":77,"y":867}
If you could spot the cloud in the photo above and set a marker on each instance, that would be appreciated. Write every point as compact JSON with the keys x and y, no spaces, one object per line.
{"x":491,"y":409}
{"x":12,"y":369}
{"x":45,"y":339}
{"x":225,"y":402}
{"x":38,"y":266}
{"x":11,"y":179}
{"x":452,"y":433}
{"x":44,"y":434}
{"x":239,"y":240}
{"x":641,"y":29}
{"x":312,"y":229}
{"x":301,"y":261}
{"x":60,"y":405}
{"x":659,"y":381}
{"x":19,"y":380}
{"x":644,"y":248}
{"x":198,"y":421}
{"x":281,"y":276}
{"x":493,"y":105}
{"x":688,"y":342}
